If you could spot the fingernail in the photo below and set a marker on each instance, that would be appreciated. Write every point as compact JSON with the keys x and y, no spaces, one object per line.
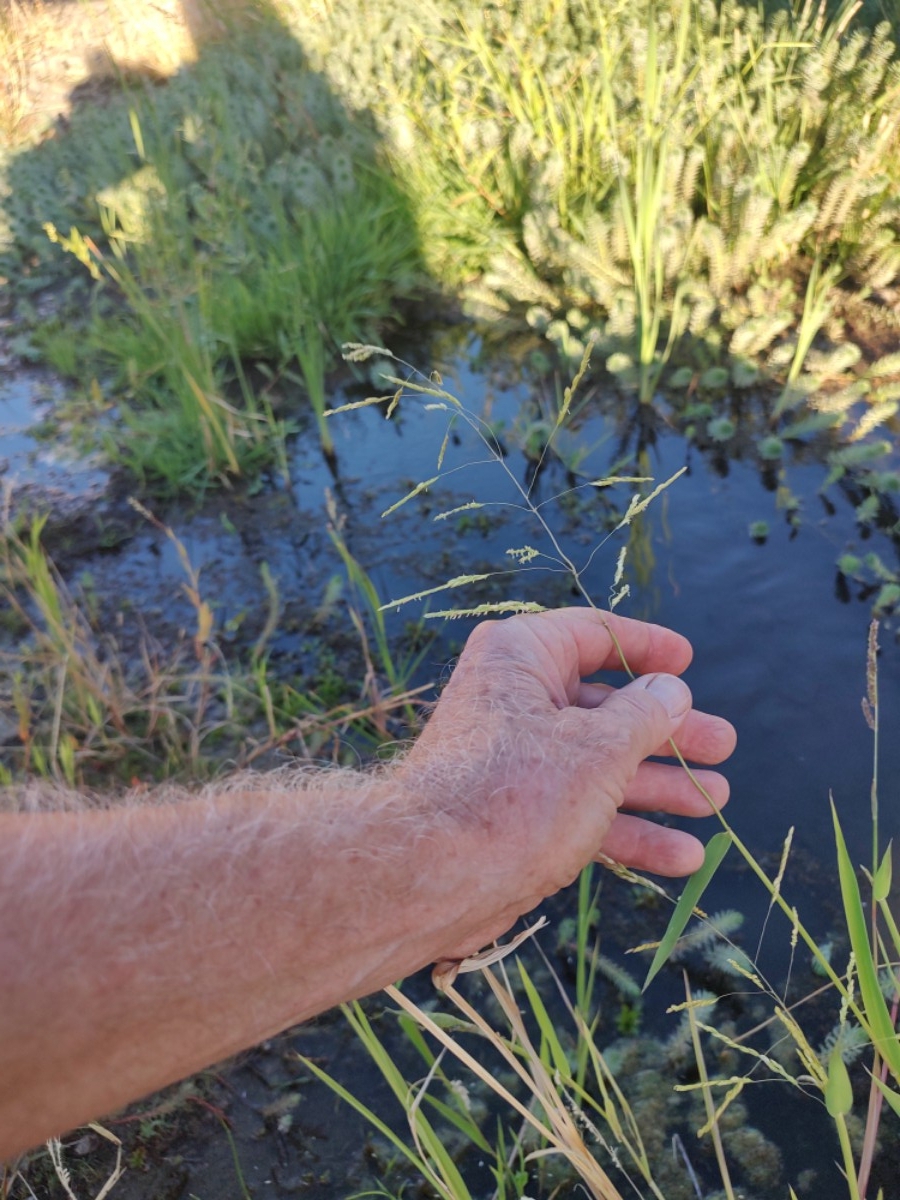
{"x":670,"y":691}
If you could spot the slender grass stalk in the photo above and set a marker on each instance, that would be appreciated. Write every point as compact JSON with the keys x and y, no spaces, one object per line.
{"x":872,"y":713}
{"x":712,"y":1121}
{"x":643,"y":176}
{"x":817,"y":306}
{"x":246,"y":1194}
{"x":429,"y":1157}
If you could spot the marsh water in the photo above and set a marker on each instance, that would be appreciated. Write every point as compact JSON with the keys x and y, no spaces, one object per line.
{"x":779,"y":637}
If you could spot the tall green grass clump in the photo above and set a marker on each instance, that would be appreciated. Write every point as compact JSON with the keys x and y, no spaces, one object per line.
{"x":661,"y":173}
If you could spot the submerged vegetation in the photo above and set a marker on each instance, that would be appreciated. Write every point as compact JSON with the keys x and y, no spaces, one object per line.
{"x":694,"y":205}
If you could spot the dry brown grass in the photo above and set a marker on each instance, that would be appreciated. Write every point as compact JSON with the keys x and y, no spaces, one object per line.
{"x":48,"y":49}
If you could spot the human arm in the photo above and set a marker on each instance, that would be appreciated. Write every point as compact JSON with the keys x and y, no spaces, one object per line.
{"x":140,"y":944}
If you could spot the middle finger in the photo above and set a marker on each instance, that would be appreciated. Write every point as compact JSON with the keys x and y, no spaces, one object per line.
{"x":658,"y":787}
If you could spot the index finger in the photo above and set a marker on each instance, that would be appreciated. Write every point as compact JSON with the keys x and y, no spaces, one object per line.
{"x":602,"y":640}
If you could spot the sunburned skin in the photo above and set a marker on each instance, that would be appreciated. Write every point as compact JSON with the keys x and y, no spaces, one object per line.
{"x":145,"y":941}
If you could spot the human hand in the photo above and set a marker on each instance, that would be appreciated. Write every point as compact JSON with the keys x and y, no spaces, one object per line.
{"x":544,"y":771}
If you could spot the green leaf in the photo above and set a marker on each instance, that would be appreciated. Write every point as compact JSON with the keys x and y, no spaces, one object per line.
{"x":892,"y":1098}
{"x":720,"y":429}
{"x":888,"y":597}
{"x":770,"y":448}
{"x":714,"y":377}
{"x":758,"y":530}
{"x":838,"y":1089}
{"x":849,"y":564}
{"x":550,"y":1043}
{"x":681,"y":378}
{"x":868,"y":510}
{"x":463,"y":1122}
{"x":716,"y":849}
{"x":881,"y":884}
{"x":878,"y":1021}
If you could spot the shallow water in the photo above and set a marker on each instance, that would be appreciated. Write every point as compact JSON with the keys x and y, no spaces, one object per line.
{"x":779,"y":650}
{"x":32,"y":463}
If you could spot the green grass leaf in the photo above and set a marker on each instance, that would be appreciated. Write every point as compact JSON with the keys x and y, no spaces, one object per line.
{"x":881,"y":884}
{"x":892,"y":1098}
{"x":716,"y":849}
{"x":878,"y":1018}
{"x":838,"y":1089}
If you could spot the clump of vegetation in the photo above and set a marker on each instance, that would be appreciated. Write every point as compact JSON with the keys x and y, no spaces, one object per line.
{"x":704,"y":188}
{"x":665,"y":175}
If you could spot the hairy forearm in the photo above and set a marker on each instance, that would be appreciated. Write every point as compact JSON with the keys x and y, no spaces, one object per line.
{"x":139,"y":945}
{"x":145,"y":945}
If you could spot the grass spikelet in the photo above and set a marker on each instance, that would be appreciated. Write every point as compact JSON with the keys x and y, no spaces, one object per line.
{"x":460,"y":508}
{"x":500,"y":608}
{"x":421,"y":487}
{"x":457,"y":581}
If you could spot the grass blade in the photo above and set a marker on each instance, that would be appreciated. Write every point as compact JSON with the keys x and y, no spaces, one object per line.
{"x":878,"y":1018}
{"x":716,"y":850}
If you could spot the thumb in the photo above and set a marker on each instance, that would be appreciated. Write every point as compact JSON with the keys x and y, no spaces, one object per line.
{"x":640,"y":717}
